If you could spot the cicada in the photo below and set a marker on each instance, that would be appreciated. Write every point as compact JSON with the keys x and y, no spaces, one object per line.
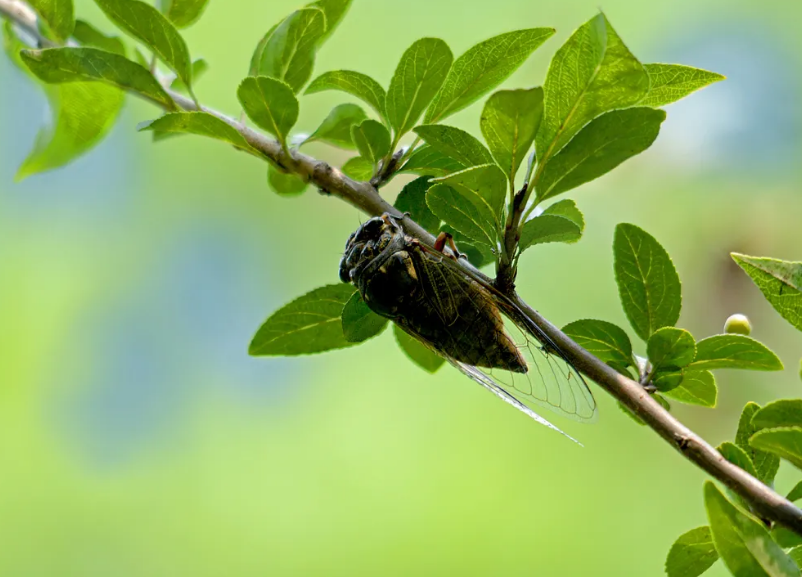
{"x":462,"y":318}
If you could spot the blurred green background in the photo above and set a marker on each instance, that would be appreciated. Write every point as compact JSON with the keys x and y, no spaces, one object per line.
{"x":137,"y":438}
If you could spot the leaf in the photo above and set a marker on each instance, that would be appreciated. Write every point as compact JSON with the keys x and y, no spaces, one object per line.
{"x":359,"y":322}
{"x":796,"y":492}
{"x":692,"y":554}
{"x":735,"y":352}
{"x":561,"y":222}
{"x":696,"y":388}
{"x":782,"y":413}
{"x":455,"y":143}
{"x":796,"y":555}
{"x":485,"y":186}
{"x":60,"y":65}
{"x":742,"y":541}
{"x":608,"y":342}
{"x":672,"y":82}
{"x":412,"y":199}
{"x":766,"y":464}
{"x":671,"y":347}
{"x":785,"y":538}
{"x":780,"y":282}
{"x":271,"y":104}
{"x":428,"y":161}
{"x":83,"y":113}
{"x":509,"y":122}
{"x":358,"y":168}
{"x":666,"y":380}
{"x":149,"y":26}
{"x":599,"y":147}
{"x":354,"y":83}
{"x":785,"y":442}
{"x":183,"y":13}
{"x":737,"y":456}
{"x":285,"y":183}
{"x":459,"y":211}
{"x":309,"y":324}
{"x":335,"y":11}
{"x":647,"y":281}
{"x":417,"y":352}
{"x":287,"y":52}
{"x":372,"y":140}
{"x":201,"y":124}
{"x":482,"y":68}
{"x":199,"y":68}
{"x":592,"y":73}
{"x":419,"y":76}
{"x":336,"y":127}
{"x":88,"y":35}
{"x":59,"y":15}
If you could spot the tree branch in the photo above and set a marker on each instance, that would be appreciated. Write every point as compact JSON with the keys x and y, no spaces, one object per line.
{"x":364,"y":196}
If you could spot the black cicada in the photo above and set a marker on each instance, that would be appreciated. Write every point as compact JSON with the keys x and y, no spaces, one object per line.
{"x":462,"y":318}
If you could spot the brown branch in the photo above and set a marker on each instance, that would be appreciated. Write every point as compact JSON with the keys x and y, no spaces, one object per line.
{"x":364,"y":196}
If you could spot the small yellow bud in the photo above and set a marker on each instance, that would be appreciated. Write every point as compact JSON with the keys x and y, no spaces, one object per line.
{"x":738,"y":324}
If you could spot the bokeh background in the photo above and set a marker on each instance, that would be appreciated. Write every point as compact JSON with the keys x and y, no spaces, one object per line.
{"x":137,"y":438}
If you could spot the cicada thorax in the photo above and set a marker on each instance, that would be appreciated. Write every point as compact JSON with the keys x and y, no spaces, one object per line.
{"x":400,"y":279}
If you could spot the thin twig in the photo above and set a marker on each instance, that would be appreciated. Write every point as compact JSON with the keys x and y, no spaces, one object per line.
{"x":362,"y":195}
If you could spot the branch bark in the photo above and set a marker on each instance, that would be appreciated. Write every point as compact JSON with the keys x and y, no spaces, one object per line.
{"x":365,"y":197}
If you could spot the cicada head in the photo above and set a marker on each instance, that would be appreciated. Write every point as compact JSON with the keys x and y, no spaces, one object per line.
{"x":366,"y":243}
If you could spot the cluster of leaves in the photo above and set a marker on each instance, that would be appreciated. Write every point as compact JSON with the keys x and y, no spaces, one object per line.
{"x":748,"y":544}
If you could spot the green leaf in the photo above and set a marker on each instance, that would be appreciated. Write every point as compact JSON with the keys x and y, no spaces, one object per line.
{"x":692,"y":554}
{"x":796,"y":493}
{"x":354,"y":83}
{"x":592,"y":73}
{"x":780,"y":282}
{"x":599,"y":147}
{"x":743,"y":542}
{"x":336,"y":128}
{"x":199,"y":68}
{"x":459,"y":211}
{"x":417,"y":352}
{"x":88,"y":35}
{"x":796,"y":555}
{"x":335,"y":11}
{"x":149,"y":26}
{"x":737,"y":456}
{"x":735,"y":352}
{"x":647,"y":281}
{"x":766,"y":464}
{"x":287,"y":52}
{"x":201,"y":124}
{"x":561,"y":222}
{"x":412,"y":199}
{"x":782,"y":413}
{"x":455,"y":143}
{"x":697,"y":388}
{"x":83,"y":113}
{"x":359,"y":322}
{"x":785,"y":442}
{"x":605,"y":340}
{"x":372,"y":140}
{"x":785,"y":538}
{"x":428,"y":161}
{"x":271,"y":104}
{"x":482,"y":68}
{"x":358,"y":168}
{"x":309,"y":324}
{"x":672,"y":82}
{"x":285,"y":183}
{"x":671,"y":347}
{"x":485,"y":186}
{"x":183,"y":13}
{"x":419,"y":76}
{"x":666,"y":380}
{"x":60,"y":65}
{"x":509,"y":122}
{"x":59,"y":15}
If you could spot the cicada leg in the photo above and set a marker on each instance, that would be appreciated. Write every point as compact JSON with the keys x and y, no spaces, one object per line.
{"x":445,"y":238}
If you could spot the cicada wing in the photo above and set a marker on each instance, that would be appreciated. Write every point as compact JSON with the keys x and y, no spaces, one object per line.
{"x":551,"y":381}
{"x":439,"y":284}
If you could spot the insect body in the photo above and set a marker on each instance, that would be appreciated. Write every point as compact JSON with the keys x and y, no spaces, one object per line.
{"x":460,"y":318}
